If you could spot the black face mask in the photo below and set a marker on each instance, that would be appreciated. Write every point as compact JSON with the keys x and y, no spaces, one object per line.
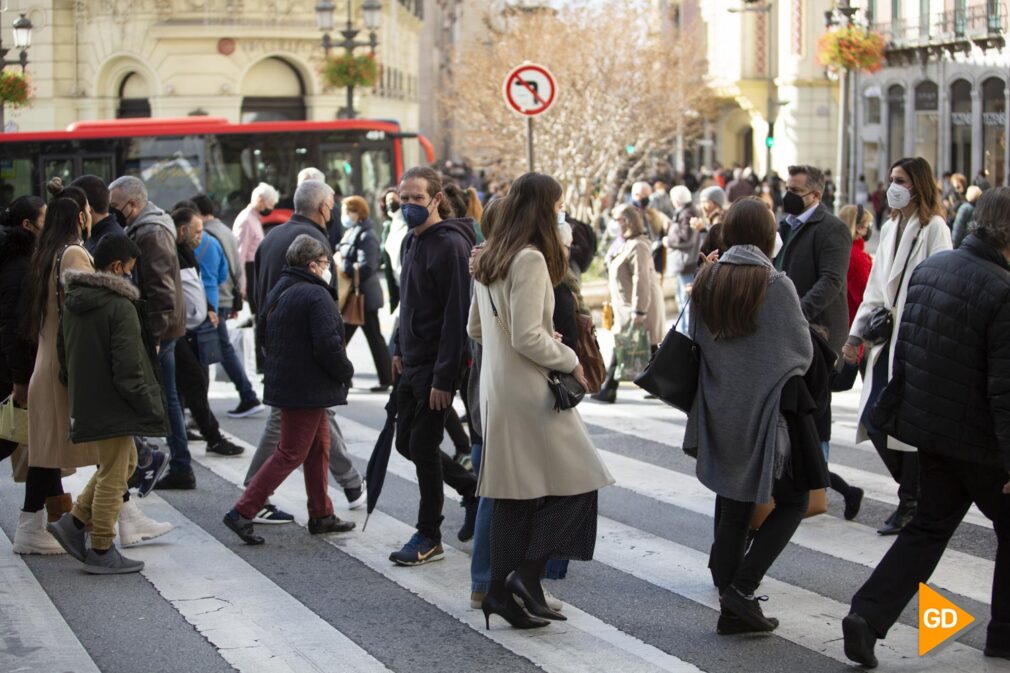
{"x":393,"y":207}
{"x":266,"y":211}
{"x":793,"y":204}
{"x":643,"y":203}
{"x":118,"y":216}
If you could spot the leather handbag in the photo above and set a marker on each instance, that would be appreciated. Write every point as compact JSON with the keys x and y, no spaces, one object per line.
{"x":818,"y":504}
{"x":588,"y":349}
{"x":567,"y":391}
{"x":353,"y":312}
{"x":13,"y":422}
{"x":672,"y":374}
{"x":880,"y":324}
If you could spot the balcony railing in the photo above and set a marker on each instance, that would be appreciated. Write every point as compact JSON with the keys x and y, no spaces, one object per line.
{"x":976,"y":23}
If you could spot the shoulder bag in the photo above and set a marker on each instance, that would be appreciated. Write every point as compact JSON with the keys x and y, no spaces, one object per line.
{"x":567,"y":391}
{"x":672,"y":374}
{"x":353,"y":312}
{"x":880,"y":324}
{"x":587,"y":348}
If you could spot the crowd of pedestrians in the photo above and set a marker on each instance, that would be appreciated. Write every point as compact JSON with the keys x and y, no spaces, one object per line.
{"x":113,"y":309}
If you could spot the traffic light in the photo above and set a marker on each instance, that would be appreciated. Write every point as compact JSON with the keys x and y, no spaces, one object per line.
{"x":770,"y":142}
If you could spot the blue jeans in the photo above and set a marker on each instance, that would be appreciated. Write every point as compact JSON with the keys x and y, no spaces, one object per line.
{"x":683,"y":280}
{"x":480,"y":558}
{"x":177,"y":443}
{"x":229,"y":360}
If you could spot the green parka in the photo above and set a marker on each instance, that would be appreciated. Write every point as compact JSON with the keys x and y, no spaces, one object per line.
{"x":108,"y":360}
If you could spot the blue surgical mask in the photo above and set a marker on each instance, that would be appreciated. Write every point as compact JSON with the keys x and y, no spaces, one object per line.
{"x":561,"y":218}
{"x":348,"y":223}
{"x":415,"y":215}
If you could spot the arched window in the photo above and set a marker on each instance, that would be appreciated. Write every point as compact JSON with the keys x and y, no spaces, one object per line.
{"x":273,"y":90}
{"x":960,"y":127}
{"x":133,"y":98}
{"x":895,"y":122}
{"x":994,"y":129}
{"x":927,"y":121}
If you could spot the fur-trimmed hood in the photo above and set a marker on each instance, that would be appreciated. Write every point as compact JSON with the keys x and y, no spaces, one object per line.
{"x":89,"y":290}
{"x":15,"y":243}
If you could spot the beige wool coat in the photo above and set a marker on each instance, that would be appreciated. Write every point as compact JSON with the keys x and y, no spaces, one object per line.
{"x":49,"y":442}
{"x":634,"y":286}
{"x":530,"y":450}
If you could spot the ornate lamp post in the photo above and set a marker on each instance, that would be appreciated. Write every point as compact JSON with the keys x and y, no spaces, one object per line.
{"x":22,"y":41}
{"x":372,"y":10}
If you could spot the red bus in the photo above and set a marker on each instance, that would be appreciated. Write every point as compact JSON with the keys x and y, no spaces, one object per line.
{"x":178,"y":158}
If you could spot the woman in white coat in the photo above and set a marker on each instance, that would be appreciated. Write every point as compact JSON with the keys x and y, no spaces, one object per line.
{"x":915,"y":231}
{"x":538,"y":465}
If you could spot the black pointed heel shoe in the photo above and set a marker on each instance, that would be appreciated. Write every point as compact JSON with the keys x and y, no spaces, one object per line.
{"x":509,"y":611}
{"x":514,"y":584}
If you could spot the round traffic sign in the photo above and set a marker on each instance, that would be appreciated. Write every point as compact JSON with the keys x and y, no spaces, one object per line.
{"x":529,"y":89}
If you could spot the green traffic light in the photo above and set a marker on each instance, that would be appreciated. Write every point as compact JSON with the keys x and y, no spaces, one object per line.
{"x":770,"y":141}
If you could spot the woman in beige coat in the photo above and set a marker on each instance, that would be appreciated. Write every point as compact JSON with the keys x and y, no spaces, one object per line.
{"x":538,"y":464}
{"x":635,"y":292}
{"x":59,"y":249}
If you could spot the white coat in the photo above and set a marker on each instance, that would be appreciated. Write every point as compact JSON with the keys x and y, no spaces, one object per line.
{"x":530,"y":450}
{"x":882,"y":289}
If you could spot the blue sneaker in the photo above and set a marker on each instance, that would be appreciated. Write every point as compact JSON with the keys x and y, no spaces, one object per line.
{"x":418,"y":551}
{"x":271,"y":515}
{"x":150,"y":475}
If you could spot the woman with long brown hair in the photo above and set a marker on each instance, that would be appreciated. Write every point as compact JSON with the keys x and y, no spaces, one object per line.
{"x":538,"y":464}
{"x":753,"y":338}
{"x":915,"y":231}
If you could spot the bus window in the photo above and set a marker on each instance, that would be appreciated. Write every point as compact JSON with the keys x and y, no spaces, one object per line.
{"x":171,"y":168}
{"x":57,"y":167}
{"x":376,"y":175}
{"x":338,"y":166}
{"x":15,"y":179}
{"x":100,"y":166}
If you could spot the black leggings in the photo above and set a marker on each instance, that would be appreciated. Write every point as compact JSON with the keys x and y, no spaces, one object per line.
{"x":41,"y":483}
{"x":731,"y":562}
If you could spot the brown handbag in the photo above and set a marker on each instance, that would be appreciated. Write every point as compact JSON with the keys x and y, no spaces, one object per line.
{"x":587,"y":348}
{"x":353,"y":312}
{"x":817,"y":505}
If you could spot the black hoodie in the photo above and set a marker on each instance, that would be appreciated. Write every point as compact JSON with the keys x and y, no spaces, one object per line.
{"x":435,"y":300}
{"x":16,"y":353}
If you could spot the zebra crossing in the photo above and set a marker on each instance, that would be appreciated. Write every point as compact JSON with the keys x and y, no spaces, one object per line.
{"x":335,"y":603}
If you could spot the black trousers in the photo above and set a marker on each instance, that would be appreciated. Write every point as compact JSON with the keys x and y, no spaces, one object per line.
{"x":454,"y":426}
{"x":41,"y":483}
{"x":191,"y":380}
{"x":731,"y":562}
{"x":948,"y":487}
{"x":903,"y":467}
{"x":419,"y":432}
{"x":376,"y":344}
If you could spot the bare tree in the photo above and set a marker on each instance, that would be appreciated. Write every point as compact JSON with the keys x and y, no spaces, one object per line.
{"x":626,"y":88}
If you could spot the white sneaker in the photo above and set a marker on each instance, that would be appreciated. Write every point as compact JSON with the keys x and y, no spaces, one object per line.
{"x":31,"y":536}
{"x":553,"y":602}
{"x":135,"y":527}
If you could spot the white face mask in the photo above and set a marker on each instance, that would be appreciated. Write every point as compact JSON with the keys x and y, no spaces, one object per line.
{"x":327,"y":275}
{"x":613,"y":229}
{"x":561,"y":218}
{"x":898,"y":196}
{"x":565,"y":234}
{"x":778,"y":245}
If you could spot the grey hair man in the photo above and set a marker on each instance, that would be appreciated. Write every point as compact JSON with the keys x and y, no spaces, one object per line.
{"x":313,"y":210}
{"x":310,"y":173}
{"x":158,"y":278}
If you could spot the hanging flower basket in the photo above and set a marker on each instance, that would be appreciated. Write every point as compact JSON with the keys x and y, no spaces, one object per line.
{"x":15,"y":89}
{"x":350,"y":70}
{"x":851,"y":48}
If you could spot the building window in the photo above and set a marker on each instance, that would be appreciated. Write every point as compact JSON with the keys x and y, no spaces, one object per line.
{"x":927,"y":121}
{"x":895,"y":123}
{"x":994,"y":129}
{"x":871,"y":111}
{"x":960,"y":127}
{"x":273,"y":90}
{"x":133,"y":100}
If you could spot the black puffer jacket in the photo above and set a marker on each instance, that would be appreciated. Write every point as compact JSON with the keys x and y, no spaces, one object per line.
{"x":950,"y":392}
{"x":16,"y":357}
{"x":300,"y":329}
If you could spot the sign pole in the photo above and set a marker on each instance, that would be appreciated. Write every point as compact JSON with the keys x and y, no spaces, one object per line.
{"x":529,"y":142}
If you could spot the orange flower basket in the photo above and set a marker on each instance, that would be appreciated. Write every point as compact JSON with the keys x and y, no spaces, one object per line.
{"x":15,"y":89}
{"x":851,"y":48}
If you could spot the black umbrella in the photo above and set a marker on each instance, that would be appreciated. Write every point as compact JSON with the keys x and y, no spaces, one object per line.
{"x":375,"y":473}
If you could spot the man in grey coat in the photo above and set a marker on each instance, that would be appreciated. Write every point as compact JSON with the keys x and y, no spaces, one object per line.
{"x":815,"y":253}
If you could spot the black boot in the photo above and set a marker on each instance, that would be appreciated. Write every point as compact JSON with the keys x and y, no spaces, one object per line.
{"x":748,"y":609}
{"x":859,"y":640}
{"x":242,"y":527}
{"x":499,"y":601}
{"x":470,"y":519}
{"x":536,"y":606}
{"x":900,"y":518}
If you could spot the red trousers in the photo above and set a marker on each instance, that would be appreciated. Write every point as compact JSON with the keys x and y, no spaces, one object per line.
{"x":305,"y":441}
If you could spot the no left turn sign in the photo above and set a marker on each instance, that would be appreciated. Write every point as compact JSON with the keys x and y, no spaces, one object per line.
{"x":529,"y":89}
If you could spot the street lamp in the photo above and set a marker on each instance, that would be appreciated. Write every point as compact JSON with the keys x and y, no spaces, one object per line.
{"x":22,"y":41}
{"x":372,"y":10}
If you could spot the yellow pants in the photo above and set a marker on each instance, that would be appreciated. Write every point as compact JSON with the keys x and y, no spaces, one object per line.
{"x":100,"y":501}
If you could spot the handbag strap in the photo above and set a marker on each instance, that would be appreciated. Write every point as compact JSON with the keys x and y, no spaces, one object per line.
{"x":904,"y":269}
{"x":494,"y":310}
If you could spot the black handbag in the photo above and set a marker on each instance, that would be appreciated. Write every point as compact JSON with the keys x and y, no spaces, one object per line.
{"x":880,"y":324}
{"x":672,"y":373}
{"x":567,"y":391}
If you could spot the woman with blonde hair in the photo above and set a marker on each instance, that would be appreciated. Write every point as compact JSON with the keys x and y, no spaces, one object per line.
{"x":635,"y":292}
{"x":538,"y":464}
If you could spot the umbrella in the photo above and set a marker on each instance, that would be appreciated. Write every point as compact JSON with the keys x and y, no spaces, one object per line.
{"x":378,"y":463}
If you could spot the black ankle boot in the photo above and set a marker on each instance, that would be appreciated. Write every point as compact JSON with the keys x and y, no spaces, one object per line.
{"x":538,"y":608}
{"x":510,"y":611}
{"x":900,"y":518}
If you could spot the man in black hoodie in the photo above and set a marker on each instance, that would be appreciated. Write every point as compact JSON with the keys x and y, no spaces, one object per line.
{"x":105,"y":223}
{"x":429,"y":350}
